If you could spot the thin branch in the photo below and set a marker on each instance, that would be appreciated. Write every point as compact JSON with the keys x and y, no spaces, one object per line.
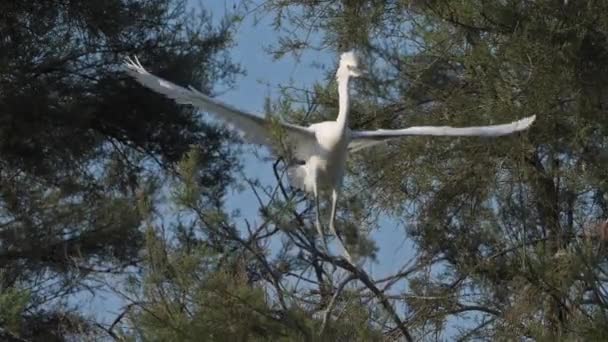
{"x":362,"y":276}
{"x":332,"y":302}
{"x":7,"y":336}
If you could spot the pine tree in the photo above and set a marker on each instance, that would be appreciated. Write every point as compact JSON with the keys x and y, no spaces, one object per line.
{"x":510,"y":233}
{"x":80,"y":143}
{"x":508,"y":230}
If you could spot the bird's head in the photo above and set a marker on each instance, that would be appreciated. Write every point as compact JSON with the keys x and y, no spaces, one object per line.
{"x":349,"y":65}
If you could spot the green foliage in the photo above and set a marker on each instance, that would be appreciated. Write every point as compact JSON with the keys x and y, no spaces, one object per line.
{"x":81,"y":144}
{"x":506,"y":228}
{"x":12,"y":305}
{"x":506,"y":234}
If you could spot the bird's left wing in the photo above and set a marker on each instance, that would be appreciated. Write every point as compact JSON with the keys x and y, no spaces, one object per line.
{"x":255,"y":130}
{"x":363,"y":139}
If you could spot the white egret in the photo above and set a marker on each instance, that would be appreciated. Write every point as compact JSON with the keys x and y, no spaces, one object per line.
{"x":324,"y":146}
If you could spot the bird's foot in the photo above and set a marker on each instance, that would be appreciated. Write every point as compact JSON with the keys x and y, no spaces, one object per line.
{"x":345,"y":253}
{"x":323,"y":244}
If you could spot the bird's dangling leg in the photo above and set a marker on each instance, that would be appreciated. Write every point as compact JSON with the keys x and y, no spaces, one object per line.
{"x":318,"y":218}
{"x":332,"y":219}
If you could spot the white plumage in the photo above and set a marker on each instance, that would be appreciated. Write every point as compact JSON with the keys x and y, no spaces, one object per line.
{"x":324,"y":146}
{"x":363,"y":139}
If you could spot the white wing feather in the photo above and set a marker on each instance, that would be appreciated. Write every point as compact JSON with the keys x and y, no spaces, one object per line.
{"x":363,"y":139}
{"x":255,"y":130}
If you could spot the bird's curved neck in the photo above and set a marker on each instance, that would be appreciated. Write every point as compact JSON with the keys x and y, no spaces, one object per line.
{"x":343,"y":100}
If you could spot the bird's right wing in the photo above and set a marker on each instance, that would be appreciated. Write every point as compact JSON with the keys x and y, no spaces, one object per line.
{"x":364,"y":139}
{"x":255,"y":130}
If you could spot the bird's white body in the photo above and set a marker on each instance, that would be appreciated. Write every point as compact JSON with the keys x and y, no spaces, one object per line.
{"x":326,"y":166}
{"x":321,"y":147}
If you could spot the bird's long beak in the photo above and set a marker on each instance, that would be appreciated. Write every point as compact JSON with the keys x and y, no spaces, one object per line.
{"x":356,"y":72}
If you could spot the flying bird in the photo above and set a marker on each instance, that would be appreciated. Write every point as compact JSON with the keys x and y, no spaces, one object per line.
{"x":321,"y":147}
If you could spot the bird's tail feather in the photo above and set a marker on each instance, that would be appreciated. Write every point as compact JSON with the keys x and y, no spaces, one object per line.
{"x":298,"y":177}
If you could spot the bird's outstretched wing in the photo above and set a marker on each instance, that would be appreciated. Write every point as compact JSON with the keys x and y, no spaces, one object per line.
{"x":255,"y":130}
{"x":363,"y":139}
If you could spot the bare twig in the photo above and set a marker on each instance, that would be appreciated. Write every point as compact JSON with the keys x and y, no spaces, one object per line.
{"x":332,"y":302}
{"x":362,"y":276}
